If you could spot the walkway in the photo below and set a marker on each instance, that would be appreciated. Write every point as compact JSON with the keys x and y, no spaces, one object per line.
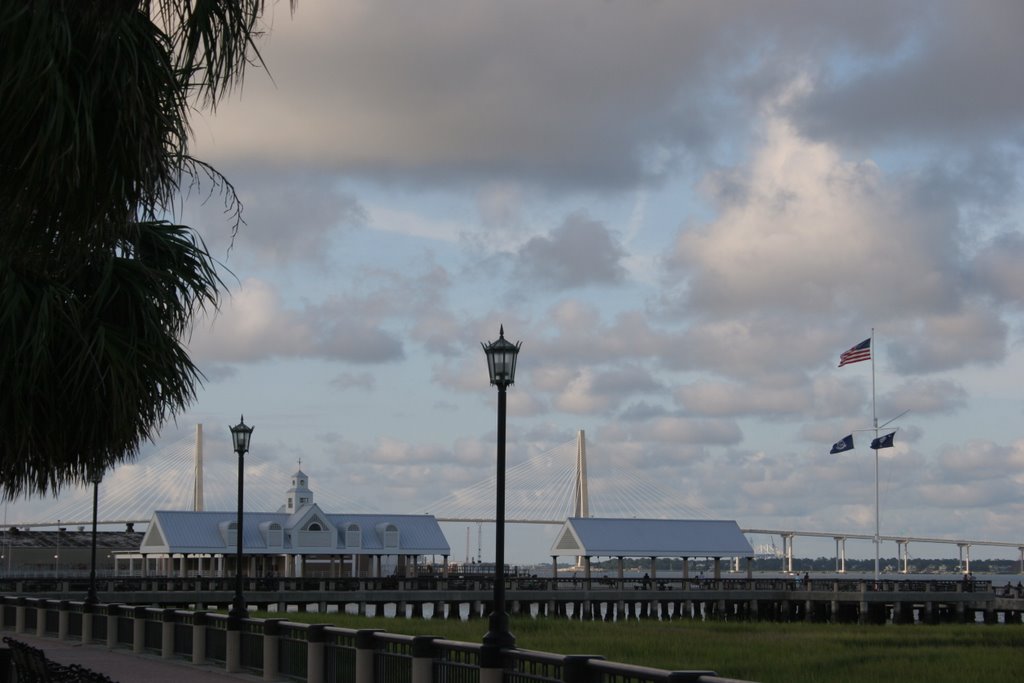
{"x":126,"y":667}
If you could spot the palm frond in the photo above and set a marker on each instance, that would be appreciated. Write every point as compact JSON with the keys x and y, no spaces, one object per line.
{"x":97,"y":293}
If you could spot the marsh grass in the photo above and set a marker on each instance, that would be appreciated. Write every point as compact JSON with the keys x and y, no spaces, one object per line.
{"x":765,"y":652}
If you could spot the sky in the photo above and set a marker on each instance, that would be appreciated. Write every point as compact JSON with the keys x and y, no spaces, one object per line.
{"x":684,"y":210}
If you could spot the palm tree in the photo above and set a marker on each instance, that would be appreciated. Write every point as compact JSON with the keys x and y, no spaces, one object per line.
{"x":99,"y":287}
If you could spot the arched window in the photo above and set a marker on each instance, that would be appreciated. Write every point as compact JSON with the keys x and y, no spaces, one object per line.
{"x":353,"y":536}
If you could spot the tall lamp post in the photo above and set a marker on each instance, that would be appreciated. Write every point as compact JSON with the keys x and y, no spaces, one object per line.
{"x":96,"y":478}
{"x":240,"y":435}
{"x":501,"y":364}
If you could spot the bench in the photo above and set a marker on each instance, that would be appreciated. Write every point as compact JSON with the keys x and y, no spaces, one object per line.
{"x":32,"y":666}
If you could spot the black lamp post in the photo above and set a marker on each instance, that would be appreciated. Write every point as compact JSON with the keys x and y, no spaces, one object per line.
{"x":501,"y":364}
{"x":240,"y":435}
{"x":96,"y":478}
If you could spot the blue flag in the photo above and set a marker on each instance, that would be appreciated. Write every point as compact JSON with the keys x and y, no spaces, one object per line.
{"x":883,"y":441}
{"x":844,"y":444}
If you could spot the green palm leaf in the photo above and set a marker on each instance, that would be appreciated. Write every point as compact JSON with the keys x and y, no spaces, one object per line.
{"x":98,"y":290}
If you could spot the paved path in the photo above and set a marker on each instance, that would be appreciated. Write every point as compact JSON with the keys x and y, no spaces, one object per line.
{"x":125,"y":667}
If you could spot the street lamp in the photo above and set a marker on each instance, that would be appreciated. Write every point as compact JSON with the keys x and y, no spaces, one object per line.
{"x":240,"y":435}
{"x":96,"y":478}
{"x":501,"y":364}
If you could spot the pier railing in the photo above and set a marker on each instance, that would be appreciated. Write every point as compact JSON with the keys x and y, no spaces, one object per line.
{"x":273,"y":648}
{"x":203,"y":584}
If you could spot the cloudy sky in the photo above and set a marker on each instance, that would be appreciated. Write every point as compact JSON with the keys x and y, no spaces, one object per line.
{"x":684,"y":210}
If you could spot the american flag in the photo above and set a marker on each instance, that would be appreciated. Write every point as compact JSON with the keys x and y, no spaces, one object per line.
{"x":856,"y":353}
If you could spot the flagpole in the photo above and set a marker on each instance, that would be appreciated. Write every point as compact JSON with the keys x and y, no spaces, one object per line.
{"x":874,"y":422}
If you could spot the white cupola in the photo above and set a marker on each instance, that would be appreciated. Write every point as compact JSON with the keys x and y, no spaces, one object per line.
{"x":299,"y":495}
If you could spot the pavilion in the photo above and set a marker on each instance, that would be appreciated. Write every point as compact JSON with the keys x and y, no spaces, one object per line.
{"x":298,"y":540}
{"x":589,"y":537}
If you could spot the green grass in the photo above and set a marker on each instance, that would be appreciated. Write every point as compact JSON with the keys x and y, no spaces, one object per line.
{"x":766,"y":652}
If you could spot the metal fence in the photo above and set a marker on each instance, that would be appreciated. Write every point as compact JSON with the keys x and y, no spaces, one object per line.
{"x":312,"y":653}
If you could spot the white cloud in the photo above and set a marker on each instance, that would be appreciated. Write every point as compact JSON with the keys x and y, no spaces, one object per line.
{"x":578,"y":253}
{"x":594,"y":391}
{"x":251,"y":325}
{"x":975,"y":334}
{"x":812,"y":233}
{"x":414,"y":224}
{"x":924,"y":396}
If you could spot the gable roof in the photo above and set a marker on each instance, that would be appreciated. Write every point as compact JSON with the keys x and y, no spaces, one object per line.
{"x":614,"y":537}
{"x":302,"y":514}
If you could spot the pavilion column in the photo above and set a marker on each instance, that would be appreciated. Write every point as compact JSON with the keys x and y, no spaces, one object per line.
{"x":654,"y":568}
{"x":145,"y":565}
{"x":586,"y":570}
{"x":718,"y":569}
{"x":554,"y":566}
{"x":620,"y":571}
{"x":686,"y":568}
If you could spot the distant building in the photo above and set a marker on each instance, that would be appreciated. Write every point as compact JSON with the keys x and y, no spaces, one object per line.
{"x":300,"y":539}
{"x":62,"y":552}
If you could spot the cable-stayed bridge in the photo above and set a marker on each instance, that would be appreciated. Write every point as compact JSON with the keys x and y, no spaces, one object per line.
{"x":550,"y":486}
{"x":172,"y":477}
{"x":546,"y":488}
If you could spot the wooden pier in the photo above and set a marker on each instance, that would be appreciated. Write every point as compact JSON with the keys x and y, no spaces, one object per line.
{"x":823,"y":600}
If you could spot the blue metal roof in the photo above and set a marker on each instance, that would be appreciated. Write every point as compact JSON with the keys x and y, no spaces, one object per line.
{"x":611,"y":537}
{"x":420,"y":534}
{"x":187,"y":532}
